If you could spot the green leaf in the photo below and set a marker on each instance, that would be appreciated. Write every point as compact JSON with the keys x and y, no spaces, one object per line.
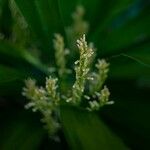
{"x":19,"y":56}
{"x":5,"y":19}
{"x":117,"y":40}
{"x":11,"y":81}
{"x":140,"y":54}
{"x":102,"y":13}
{"x":66,"y":9}
{"x":128,"y":70}
{"x":8,"y":74}
{"x":98,"y":13}
{"x":135,"y":63}
{"x":84,"y":130}
{"x":43,"y":19}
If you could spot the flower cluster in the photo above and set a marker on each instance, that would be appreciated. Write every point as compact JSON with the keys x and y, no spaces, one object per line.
{"x":60,"y":50}
{"x":78,"y":28}
{"x":82,"y":69}
{"x":102,"y":99}
{"x":44,"y":100}
{"x":100,"y":76}
{"x":88,"y":85}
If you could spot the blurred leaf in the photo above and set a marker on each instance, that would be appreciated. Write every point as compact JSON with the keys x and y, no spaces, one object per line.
{"x":66,"y":9}
{"x":128,"y":48}
{"x":5,"y":18}
{"x":11,"y":81}
{"x":140,"y":54}
{"x":132,"y":64}
{"x":8,"y":74}
{"x":102,"y":13}
{"x":119,"y":39}
{"x":85,"y":131}
{"x":11,"y":50}
{"x":98,"y":13}
{"x":44,"y":20}
{"x":19,"y":56}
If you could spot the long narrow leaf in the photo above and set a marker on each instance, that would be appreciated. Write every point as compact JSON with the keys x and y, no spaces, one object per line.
{"x":86,"y":131}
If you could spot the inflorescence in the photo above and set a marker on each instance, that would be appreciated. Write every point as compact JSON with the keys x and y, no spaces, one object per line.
{"x":88,"y":85}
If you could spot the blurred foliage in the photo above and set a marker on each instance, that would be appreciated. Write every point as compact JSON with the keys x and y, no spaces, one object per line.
{"x":120,"y":31}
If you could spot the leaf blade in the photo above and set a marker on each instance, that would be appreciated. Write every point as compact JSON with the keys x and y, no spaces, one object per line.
{"x":85,"y":131}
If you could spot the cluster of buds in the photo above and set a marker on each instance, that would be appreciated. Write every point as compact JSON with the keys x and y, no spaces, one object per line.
{"x":47,"y":99}
{"x":44,"y":100}
{"x":82,"y":69}
{"x":102,"y":99}
{"x":60,"y":53}
{"x":100,"y":76}
{"x":78,"y":27}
